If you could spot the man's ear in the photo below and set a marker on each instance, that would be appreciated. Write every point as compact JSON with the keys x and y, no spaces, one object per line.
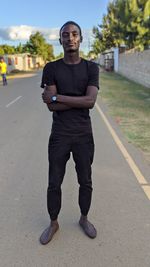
{"x":81,"y":39}
{"x":60,"y":41}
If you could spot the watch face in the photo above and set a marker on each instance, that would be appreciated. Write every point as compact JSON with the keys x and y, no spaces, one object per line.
{"x":54,"y":98}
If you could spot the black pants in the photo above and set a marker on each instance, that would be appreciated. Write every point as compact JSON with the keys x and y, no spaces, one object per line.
{"x":4,"y":79}
{"x":59,"y":149}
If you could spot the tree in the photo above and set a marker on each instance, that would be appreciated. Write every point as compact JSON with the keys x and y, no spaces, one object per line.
{"x":50,"y":52}
{"x":37,"y":46}
{"x":126,"y":22}
{"x":1,"y":51}
{"x":19,"y":48}
{"x":7,"y":49}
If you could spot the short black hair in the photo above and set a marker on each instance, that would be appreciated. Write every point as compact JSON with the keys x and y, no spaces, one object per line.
{"x":70,"y":22}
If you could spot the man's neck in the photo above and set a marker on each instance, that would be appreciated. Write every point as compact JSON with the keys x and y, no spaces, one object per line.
{"x":71,"y":58}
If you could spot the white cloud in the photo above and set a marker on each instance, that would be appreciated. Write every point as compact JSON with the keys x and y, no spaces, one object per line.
{"x":23,"y":32}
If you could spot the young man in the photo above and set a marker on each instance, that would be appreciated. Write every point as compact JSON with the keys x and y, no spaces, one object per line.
{"x":70,"y":90}
{"x":3,"y":70}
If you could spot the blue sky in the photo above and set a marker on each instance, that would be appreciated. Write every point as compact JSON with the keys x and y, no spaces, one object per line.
{"x":21,"y":18}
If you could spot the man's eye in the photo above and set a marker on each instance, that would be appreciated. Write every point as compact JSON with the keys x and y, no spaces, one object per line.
{"x":64,"y":34}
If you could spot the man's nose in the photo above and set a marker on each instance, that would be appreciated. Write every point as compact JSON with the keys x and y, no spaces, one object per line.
{"x":70,"y":36}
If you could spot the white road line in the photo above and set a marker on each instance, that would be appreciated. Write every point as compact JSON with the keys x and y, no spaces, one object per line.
{"x":139,"y":176}
{"x":12,"y":102}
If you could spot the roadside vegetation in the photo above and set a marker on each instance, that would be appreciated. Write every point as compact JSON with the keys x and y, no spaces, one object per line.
{"x":129,"y":104}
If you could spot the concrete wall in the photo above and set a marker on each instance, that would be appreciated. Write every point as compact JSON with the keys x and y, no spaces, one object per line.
{"x":135,"y":66}
{"x":22,"y":62}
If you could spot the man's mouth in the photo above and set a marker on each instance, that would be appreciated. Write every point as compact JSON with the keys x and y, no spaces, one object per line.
{"x":70,"y":44}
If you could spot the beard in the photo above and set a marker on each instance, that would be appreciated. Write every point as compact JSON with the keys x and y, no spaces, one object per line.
{"x":72,"y":50}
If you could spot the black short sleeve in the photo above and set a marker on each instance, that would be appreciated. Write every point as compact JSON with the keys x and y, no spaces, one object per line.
{"x":93,"y":75}
{"x":48,"y":75}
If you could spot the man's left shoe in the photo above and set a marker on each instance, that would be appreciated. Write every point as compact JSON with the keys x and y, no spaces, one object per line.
{"x":87,"y":227}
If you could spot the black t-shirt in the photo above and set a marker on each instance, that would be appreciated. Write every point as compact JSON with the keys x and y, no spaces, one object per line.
{"x":71,"y":80}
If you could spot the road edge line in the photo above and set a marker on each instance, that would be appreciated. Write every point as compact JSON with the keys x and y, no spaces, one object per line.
{"x":139,"y":176}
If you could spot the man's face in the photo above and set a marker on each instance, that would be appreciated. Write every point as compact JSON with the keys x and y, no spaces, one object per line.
{"x":70,"y":38}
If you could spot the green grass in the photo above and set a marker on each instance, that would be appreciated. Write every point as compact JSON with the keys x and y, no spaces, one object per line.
{"x":129,"y":104}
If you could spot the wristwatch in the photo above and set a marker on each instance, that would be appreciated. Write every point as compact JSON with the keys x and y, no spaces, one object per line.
{"x":54,"y":98}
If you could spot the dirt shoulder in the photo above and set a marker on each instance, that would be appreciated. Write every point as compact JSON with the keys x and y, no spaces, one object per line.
{"x":21,"y":74}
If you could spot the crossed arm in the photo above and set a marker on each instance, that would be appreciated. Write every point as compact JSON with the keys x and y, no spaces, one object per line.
{"x":68,"y":102}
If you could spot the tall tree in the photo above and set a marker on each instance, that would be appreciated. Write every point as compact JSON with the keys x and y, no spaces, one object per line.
{"x":50,"y":52}
{"x":126,"y":22}
{"x":37,"y":45}
{"x":19,"y":48}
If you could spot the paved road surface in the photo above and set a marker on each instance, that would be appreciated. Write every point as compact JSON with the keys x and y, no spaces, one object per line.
{"x":120,"y":208}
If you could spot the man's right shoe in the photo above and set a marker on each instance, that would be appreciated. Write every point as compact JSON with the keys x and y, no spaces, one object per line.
{"x":48,"y":233}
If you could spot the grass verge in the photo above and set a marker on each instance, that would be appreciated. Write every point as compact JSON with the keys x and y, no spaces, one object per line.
{"x":129,"y":104}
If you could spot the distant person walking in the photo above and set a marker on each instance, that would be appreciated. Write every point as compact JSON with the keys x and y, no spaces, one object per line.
{"x":3,"y":70}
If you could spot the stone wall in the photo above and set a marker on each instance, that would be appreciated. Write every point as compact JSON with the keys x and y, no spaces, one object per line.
{"x":135,"y":66}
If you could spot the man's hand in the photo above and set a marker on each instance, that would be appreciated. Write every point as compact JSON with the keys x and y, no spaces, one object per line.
{"x":47,"y":96}
{"x":48,"y":92}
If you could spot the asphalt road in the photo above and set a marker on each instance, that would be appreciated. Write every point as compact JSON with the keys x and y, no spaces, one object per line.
{"x":120,"y":207}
